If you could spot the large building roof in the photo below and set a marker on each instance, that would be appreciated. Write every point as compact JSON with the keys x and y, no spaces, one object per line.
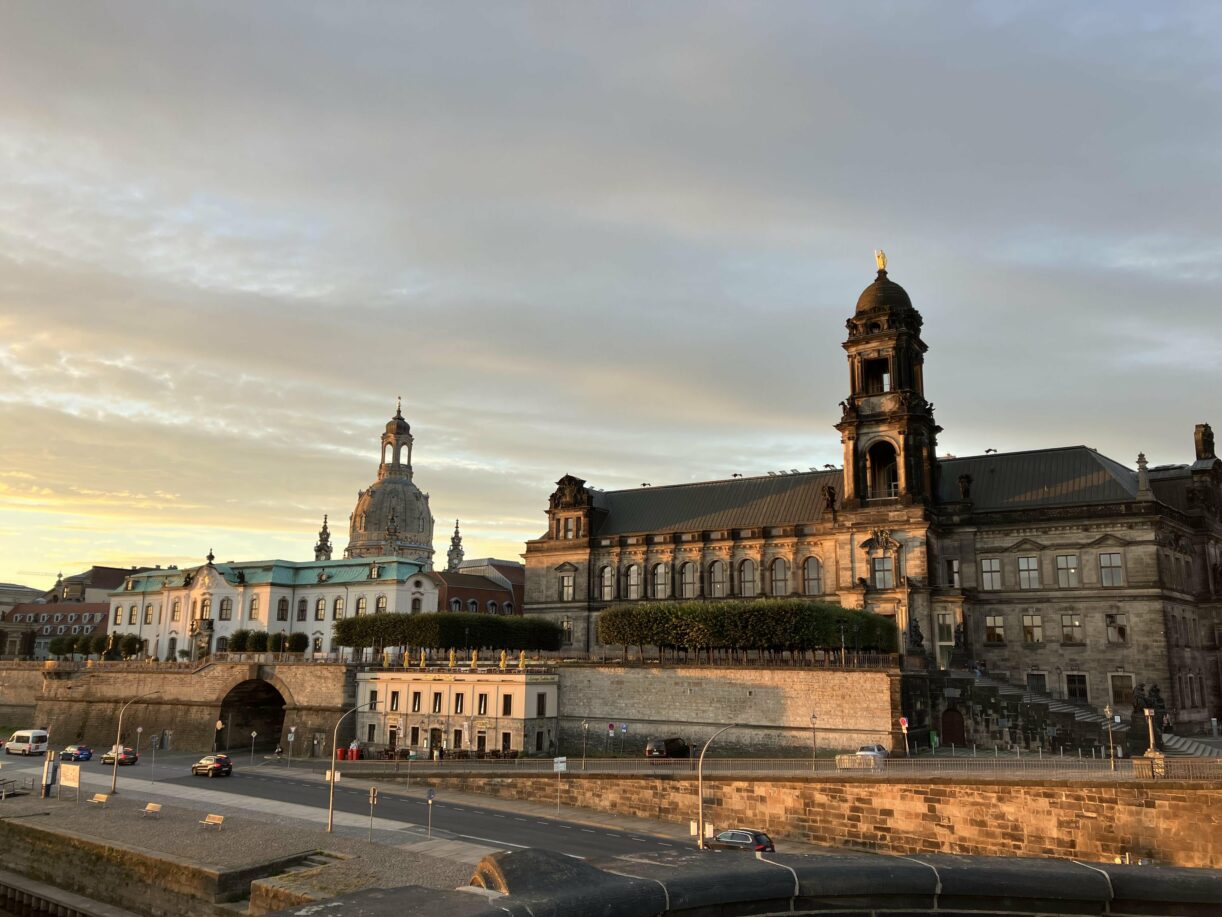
{"x":282,"y":573}
{"x":1038,"y":479}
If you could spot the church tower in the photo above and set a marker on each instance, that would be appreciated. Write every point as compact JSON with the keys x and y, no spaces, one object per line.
{"x":887,"y":427}
{"x":322,"y":549}
{"x":454,"y":555}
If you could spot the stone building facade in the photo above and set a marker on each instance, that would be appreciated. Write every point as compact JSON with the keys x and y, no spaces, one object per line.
{"x":1060,"y":569}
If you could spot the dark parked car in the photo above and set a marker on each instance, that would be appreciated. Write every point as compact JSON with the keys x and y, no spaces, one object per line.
{"x":742,"y":839}
{"x":126,"y":756}
{"x":76,"y":753}
{"x":212,"y":766}
{"x":667,"y":748}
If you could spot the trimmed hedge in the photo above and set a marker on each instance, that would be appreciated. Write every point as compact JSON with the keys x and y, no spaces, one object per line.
{"x":755,"y":624}
{"x":447,"y":630}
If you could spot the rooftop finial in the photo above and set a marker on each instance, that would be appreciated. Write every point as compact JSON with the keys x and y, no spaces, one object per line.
{"x":880,"y":258}
{"x":211,"y":557}
{"x":399,"y":406}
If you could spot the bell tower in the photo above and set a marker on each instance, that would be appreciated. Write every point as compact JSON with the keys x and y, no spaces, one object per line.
{"x":397,"y":445}
{"x":887,"y":427}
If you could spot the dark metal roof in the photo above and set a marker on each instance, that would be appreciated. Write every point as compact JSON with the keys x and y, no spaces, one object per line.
{"x":781,"y":499}
{"x":1038,"y":479}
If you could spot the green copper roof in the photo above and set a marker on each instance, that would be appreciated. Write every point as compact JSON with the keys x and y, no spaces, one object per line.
{"x":282,"y":573}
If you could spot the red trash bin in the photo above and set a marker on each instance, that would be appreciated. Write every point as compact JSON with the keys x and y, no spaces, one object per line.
{"x":341,"y":754}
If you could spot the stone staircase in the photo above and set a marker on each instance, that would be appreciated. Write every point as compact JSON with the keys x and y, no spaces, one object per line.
{"x":1178,"y":745}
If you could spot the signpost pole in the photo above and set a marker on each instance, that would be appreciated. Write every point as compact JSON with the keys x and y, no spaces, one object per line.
{"x":431,"y":794}
{"x":252,"y":747}
{"x":373,"y":801}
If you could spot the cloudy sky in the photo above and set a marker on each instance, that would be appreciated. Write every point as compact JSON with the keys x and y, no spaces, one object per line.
{"x":618,"y":240}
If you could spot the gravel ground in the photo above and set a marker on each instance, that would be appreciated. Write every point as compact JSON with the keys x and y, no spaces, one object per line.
{"x":243,"y":841}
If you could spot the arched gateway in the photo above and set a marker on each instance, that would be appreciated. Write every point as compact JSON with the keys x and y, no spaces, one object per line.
{"x":253,"y":705}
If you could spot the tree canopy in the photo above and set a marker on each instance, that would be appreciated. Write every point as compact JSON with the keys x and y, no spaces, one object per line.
{"x":447,"y":630}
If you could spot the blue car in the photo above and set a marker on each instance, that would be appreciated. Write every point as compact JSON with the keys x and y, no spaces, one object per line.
{"x":76,"y":753}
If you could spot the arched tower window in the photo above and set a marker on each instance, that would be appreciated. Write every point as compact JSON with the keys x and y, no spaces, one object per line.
{"x":417,"y":605}
{"x":882,"y":471}
{"x":747,"y":585}
{"x":812,"y":576}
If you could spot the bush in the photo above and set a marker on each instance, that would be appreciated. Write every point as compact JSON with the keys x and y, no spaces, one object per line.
{"x":97,"y":643}
{"x":130,"y":646}
{"x":56,"y":646}
{"x":298,"y":643}
{"x":257,"y":642}
{"x":184,"y":654}
{"x":447,"y":630}
{"x":276,"y":643}
{"x":239,"y":640}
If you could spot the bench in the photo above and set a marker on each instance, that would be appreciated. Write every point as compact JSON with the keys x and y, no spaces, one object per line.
{"x":152,"y":808}
{"x":100,"y":799}
{"x":212,"y":821}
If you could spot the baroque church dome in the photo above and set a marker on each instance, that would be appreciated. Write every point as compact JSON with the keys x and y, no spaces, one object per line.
{"x":883,"y":294}
{"x":392,"y":516}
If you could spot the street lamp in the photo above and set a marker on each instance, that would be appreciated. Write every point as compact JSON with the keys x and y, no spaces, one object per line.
{"x":700,"y":786}
{"x":114,"y":775}
{"x":842,"y":629}
{"x":1111,"y":749}
{"x":331,"y":777}
{"x":585,"y":735}
{"x":1150,"y":724}
{"x":814,"y":745}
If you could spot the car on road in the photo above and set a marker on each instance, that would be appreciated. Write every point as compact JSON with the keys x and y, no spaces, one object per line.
{"x":877,"y":752}
{"x":667,"y":748}
{"x":125,"y":756}
{"x":76,"y":753}
{"x":212,"y":766}
{"x":749,"y":839}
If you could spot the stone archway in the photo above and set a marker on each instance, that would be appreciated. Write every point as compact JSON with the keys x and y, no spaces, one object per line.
{"x":953,"y":732}
{"x":253,"y":705}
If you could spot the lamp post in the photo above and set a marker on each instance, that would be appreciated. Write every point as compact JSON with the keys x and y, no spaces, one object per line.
{"x":1111,"y":749}
{"x":331,"y":777}
{"x":114,"y":775}
{"x":1150,"y":725}
{"x":842,"y":628}
{"x":585,"y":735}
{"x":700,"y":787}
{"x":814,"y":744}
{"x":139,"y":730}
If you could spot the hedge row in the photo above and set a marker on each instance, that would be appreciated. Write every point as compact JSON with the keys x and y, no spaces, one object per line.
{"x":82,"y":644}
{"x":755,"y":624}
{"x":260,"y":641}
{"x":447,"y":630}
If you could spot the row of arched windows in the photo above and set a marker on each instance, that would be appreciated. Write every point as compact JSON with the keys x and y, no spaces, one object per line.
{"x":718,"y":580}
{"x":493,"y":608}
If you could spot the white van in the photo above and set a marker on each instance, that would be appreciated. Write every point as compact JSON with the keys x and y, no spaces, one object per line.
{"x":27,"y":742}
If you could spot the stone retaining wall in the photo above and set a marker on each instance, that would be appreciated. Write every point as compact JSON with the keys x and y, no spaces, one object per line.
{"x":1169,"y":822}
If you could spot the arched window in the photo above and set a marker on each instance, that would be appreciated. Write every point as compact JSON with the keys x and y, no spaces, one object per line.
{"x":254,"y":608}
{"x":747,"y":586}
{"x":492,"y":607}
{"x":380,"y":605}
{"x":779,"y":577}
{"x":226,"y":609}
{"x":282,"y":610}
{"x":176,"y":610}
{"x":812,"y":576}
{"x":417,"y":605}
{"x":508,"y":608}
{"x":318,"y":644}
{"x":717,"y":579}
{"x":687,"y":580}
{"x":362,"y":604}
{"x":320,"y":610}
{"x":472,"y":605}
{"x":455,"y":604}
{"x":606,"y":584}
{"x":337,"y":609}
{"x":131,"y":614}
{"x":661,"y":582}
{"x":222,"y":644}
{"x":205,"y":609}
{"x":171,"y":651}
{"x":634,"y":581}
{"x":882,"y":470}
{"x":301,"y":609}
{"x":148,"y":614}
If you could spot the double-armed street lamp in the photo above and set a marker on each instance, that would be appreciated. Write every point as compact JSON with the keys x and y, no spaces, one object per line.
{"x":331,"y":773}
{"x":118,"y":749}
{"x":700,"y":786}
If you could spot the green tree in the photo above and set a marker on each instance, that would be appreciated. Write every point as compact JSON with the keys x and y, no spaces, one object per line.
{"x":130,"y":646}
{"x":97,"y":644}
{"x":257,"y":642}
{"x":239,"y":640}
{"x":56,"y":646}
{"x":298,"y":643}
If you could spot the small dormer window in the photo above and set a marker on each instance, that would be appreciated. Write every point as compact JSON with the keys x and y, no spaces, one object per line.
{"x":375,"y":570}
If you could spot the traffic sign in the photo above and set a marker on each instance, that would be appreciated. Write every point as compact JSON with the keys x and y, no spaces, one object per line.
{"x":624,"y":728}
{"x":253,"y":733}
{"x":292,"y":734}
{"x":560,"y":765}
{"x":220,"y":724}
{"x":610,"y":727}
{"x":430,"y":795}
{"x":903,"y":722}
{"x":333,"y":776}
{"x":373,"y":795}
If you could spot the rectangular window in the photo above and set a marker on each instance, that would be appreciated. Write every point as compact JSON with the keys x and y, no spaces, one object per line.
{"x":507,"y":705}
{"x":460,"y":701}
{"x":414,"y":736}
{"x":541,"y":704}
{"x":1110,"y":571}
{"x":394,"y":700}
{"x":1037,"y":682}
{"x":566,"y":587}
{"x":1028,"y":573}
{"x":1117,"y":627}
{"x":946,"y":627}
{"x":568,"y":527}
{"x":952,"y":573}
{"x":371,"y":733}
{"x":884,"y":572}
{"x":994,"y":629}
{"x":373,"y":700}
{"x":436,"y":701}
{"x":538,"y":741}
{"x":1076,"y":689}
{"x":990,"y":573}
{"x":1033,"y":629}
{"x":1122,"y":690}
{"x":118,"y":615}
{"x":1071,"y":628}
{"x":1067,"y":571}
{"x":415,"y":703}
{"x":482,"y":706}
{"x":148,"y":614}
{"x":877,"y":375}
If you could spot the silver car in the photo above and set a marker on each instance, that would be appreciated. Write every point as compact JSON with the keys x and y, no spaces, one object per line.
{"x":877,"y":752}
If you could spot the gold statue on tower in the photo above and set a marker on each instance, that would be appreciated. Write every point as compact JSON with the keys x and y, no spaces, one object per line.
{"x":880,"y":258}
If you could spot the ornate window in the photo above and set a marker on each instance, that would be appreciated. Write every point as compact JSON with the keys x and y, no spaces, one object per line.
{"x":205,"y":609}
{"x":717,"y":579}
{"x":1028,"y":573}
{"x":320,"y":610}
{"x":131,"y":615}
{"x":687,"y":580}
{"x":661,"y":582}
{"x":606,"y":584}
{"x":634,"y":581}
{"x":379,"y":606}
{"x":148,"y":614}
{"x":254,"y":608}
{"x":226,"y":609}
{"x":812,"y":576}
{"x":567,"y":586}
{"x":779,"y":577}
{"x":301,"y":609}
{"x":337,"y":609}
{"x":883,"y":570}
{"x":282,"y":610}
{"x":747,"y":586}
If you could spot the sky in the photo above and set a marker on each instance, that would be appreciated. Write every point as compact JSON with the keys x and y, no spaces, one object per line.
{"x":618,"y":240}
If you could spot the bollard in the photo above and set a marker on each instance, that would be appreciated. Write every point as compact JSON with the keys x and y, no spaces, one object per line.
{"x":995,"y":755}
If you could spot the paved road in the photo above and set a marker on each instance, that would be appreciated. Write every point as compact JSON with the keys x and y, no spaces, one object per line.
{"x":507,"y":828}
